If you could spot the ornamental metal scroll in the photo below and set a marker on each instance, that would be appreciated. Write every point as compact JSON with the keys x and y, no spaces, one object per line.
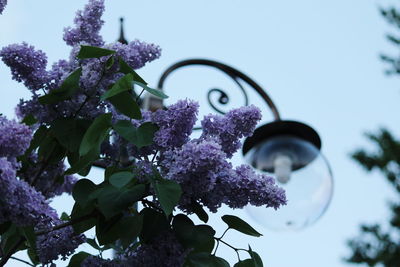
{"x":223,"y":98}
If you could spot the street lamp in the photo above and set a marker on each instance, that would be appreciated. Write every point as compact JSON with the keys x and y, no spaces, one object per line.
{"x":288,"y":150}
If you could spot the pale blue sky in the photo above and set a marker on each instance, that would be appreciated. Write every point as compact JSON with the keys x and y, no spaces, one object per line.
{"x":317,"y":59}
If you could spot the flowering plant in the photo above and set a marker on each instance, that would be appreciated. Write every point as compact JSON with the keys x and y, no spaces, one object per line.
{"x":85,"y":112}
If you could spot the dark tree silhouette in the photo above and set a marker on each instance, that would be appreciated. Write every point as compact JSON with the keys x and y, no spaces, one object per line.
{"x":379,"y":245}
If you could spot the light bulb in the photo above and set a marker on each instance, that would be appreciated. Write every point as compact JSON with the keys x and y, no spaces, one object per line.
{"x":282,"y":168}
{"x":302,"y":171}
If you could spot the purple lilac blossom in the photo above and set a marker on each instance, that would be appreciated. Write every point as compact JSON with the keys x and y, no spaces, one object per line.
{"x":43,"y":113}
{"x":230,"y":128}
{"x":52,"y":181}
{"x":14,"y":138}
{"x":91,"y":73}
{"x":62,"y":242}
{"x":27,"y":65}
{"x":3,"y":4}
{"x":87,"y":25}
{"x":242,"y":186}
{"x":176,"y":124}
{"x":59,"y":71}
{"x":93,"y":261}
{"x":143,"y":170}
{"x":136,"y":53}
{"x":163,"y":251}
{"x":195,"y":167}
{"x":24,"y":206}
{"x":20,"y":203}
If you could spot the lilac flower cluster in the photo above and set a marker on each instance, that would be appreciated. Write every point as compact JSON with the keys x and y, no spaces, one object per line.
{"x":136,"y":53}
{"x":24,"y":206}
{"x":93,"y":261}
{"x":195,"y":166}
{"x":62,"y":242}
{"x":27,"y":65}
{"x":51,"y":182}
{"x":163,"y":251}
{"x":21,"y":204}
{"x":3,"y":4}
{"x":87,"y":25}
{"x":242,"y":186}
{"x":14,"y":138}
{"x":169,"y":252}
{"x":229,"y":129}
{"x":200,"y":166}
{"x":176,"y":124}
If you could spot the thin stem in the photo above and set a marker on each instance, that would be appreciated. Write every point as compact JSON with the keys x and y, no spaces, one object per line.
{"x":151,"y":204}
{"x":21,"y":260}
{"x":224,"y":233}
{"x":232,"y":247}
{"x":4,"y":259}
{"x":63,"y":225}
{"x":154,"y":157}
{"x":216,"y":248}
{"x":89,"y":96}
{"x":42,"y":168}
{"x":138,"y":97}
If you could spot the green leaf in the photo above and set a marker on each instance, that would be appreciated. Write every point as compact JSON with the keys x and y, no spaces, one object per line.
{"x":130,"y":228}
{"x":93,"y":52}
{"x":203,"y":259}
{"x":78,"y":164}
{"x":78,"y":258}
{"x":257,"y":261}
{"x":124,"y":84}
{"x":92,"y":242}
{"x":125,"y":68}
{"x":183,"y":227}
{"x":220,"y":262}
{"x":168,"y":193}
{"x":51,"y":151}
{"x":33,"y":256}
{"x":69,"y":132}
{"x":81,"y":191}
{"x":67,"y":89}
{"x":140,"y":137}
{"x":156,"y":92}
{"x":126,"y":105}
{"x":65,"y":217}
{"x":245,"y":263}
{"x":120,"y":179}
{"x":96,"y":133}
{"x":204,"y":238}
{"x":10,"y":239}
{"x":114,"y":169}
{"x":154,"y":223}
{"x":112,"y":201}
{"x":107,"y":231}
{"x":30,"y":236}
{"x":78,"y":212}
{"x":4,"y":227}
{"x":29,"y":120}
{"x":198,"y":238}
{"x":199,"y":211}
{"x":123,"y":228}
{"x":110,"y":63}
{"x":238,"y":224}
{"x":38,"y":138}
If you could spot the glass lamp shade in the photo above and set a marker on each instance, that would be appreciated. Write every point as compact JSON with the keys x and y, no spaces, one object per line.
{"x":298,"y":166}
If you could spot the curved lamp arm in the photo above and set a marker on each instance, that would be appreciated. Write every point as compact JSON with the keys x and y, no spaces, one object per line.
{"x":232,"y":73}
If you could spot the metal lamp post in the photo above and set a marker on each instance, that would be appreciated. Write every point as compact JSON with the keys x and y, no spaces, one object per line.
{"x":288,"y":150}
